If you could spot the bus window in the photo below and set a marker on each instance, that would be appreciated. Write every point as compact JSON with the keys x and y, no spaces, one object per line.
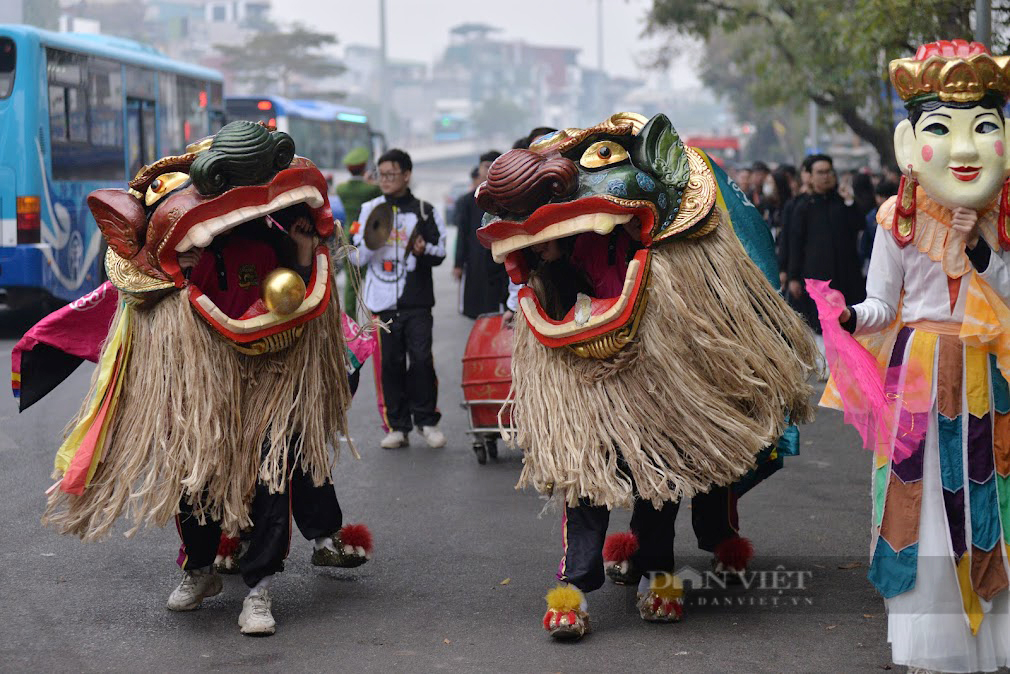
{"x":8,"y":59}
{"x":77,"y":114}
{"x":85,"y":117}
{"x":58,"y":122}
{"x":217,"y":119}
{"x":216,"y":95}
{"x":140,"y":133}
{"x":105,"y":123}
{"x":141,"y":83}
{"x":193,"y":106}
{"x":170,"y":123}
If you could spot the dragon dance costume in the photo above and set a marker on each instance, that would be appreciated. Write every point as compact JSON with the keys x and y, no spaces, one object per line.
{"x":653,"y":359}
{"x":936,"y":320}
{"x":196,"y":407}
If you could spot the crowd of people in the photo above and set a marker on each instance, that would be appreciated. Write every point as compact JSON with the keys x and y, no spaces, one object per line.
{"x":823,"y":223}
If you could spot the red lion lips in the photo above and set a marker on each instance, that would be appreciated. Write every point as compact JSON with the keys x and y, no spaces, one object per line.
{"x":586,"y":226}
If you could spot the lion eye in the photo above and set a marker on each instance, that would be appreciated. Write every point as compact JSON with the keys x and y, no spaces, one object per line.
{"x":603,"y":153}
{"x":163,"y":185}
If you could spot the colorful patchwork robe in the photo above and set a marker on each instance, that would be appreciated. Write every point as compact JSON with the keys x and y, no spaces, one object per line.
{"x":941,"y":326}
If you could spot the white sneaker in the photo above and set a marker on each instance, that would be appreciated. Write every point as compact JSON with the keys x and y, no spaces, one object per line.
{"x":433,"y":436}
{"x":194,"y":588}
{"x":394,"y":440}
{"x":256,"y":618}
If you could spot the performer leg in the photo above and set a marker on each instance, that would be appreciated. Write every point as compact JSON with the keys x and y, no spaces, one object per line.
{"x":270,"y":536}
{"x":316,"y":510}
{"x":199,"y":541}
{"x":584,"y":528}
{"x":390,"y":364}
{"x":714,"y":517}
{"x":422,"y":384}
{"x":717,"y":525}
{"x":655,"y":531}
{"x":196,"y":557}
{"x":659,"y":591}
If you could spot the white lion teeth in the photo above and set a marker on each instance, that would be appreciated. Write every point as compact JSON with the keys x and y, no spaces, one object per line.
{"x":201,"y":234}
{"x":600,"y":223}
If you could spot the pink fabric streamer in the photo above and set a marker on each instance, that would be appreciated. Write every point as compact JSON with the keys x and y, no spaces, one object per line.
{"x":79,"y":328}
{"x":361,"y":343}
{"x":868,"y":405}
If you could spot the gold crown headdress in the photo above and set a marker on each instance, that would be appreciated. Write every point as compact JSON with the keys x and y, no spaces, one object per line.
{"x":950,"y":71}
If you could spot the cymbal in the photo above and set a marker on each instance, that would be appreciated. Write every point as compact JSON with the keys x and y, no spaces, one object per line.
{"x":378,"y":226}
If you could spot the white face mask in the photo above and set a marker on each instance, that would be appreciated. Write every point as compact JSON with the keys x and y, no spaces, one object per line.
{"x":957,"y":155}
{"x":768,"y":189}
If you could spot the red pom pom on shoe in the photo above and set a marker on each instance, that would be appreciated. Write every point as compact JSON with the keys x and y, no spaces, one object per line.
{"x":227,"y":546}
{"x":735,"y":552}
{"x":356,"y":535}
{"x":620,"y":547}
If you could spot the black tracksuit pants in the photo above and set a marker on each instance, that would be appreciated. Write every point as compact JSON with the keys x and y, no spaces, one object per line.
{"x":405,"y":384}
{"x":713,"y":516}
{"x":315,"y":511}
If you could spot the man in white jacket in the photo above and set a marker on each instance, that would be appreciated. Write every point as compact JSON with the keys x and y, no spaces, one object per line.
{"x":398,"y":289}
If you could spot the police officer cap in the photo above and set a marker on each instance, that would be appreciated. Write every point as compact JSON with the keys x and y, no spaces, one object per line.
{"x":356,"y":157}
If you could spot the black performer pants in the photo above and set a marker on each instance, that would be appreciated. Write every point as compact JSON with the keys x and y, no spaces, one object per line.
{"x":315,"y":511}
{"x":713,"y":516}
{"x":405,"y":384}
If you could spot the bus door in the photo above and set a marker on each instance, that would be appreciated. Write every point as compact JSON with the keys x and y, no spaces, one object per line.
{"x":141,"y":136}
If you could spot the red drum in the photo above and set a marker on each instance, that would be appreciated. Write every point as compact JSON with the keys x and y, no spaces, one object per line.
{"x":487,"y":377}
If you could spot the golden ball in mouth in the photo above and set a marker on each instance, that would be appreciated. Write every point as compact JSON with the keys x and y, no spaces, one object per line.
{"x":283,"y":291}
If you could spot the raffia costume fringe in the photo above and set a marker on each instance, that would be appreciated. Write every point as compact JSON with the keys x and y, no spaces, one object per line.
{"x":719,"y":361}
{"x":195,"y":417}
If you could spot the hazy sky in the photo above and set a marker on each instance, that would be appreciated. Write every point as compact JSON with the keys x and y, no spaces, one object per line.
{"x":419,"y":29}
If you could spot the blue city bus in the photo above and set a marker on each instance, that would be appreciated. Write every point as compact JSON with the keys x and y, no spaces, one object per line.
{"x":323,"y":131}
{"x":80,"y":112}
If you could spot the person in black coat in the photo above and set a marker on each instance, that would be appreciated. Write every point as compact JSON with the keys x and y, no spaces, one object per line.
{"x":485,"y":282}
{"x":823,"y":235}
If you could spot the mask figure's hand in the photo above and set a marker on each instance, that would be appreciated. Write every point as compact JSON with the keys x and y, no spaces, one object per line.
{"x":965,"y":221}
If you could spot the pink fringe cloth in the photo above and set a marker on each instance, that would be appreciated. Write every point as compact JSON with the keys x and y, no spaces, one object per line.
{"x":880,"y":403}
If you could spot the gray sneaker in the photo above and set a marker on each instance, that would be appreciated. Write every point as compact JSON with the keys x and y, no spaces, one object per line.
{"x":194,"y":588}
{"x":256,"y":618}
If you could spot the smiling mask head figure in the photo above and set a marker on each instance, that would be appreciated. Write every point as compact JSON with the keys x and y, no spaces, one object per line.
{"x":954,"y":140}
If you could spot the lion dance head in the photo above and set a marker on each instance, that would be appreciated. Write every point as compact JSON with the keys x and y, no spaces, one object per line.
{"x":203,"y":401}
{"x":651,"y":353}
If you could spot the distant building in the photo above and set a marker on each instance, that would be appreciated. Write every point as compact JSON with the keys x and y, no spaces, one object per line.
{"x":185,"y":29}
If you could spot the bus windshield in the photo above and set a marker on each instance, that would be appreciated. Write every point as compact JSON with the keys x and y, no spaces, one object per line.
{"x":8,"y":58}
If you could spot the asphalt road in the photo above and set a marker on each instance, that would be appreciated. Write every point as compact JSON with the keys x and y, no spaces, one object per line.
{"x":461,"y":565}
